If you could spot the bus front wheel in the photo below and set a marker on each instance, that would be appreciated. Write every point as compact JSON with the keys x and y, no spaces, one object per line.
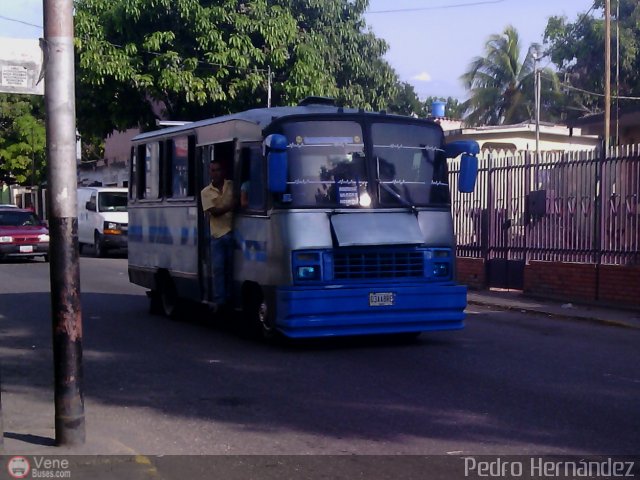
{"x":257,"y":312}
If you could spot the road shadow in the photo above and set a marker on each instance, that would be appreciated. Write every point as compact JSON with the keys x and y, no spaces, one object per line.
{"x":448,"y":386}
{"x":31,"y":439}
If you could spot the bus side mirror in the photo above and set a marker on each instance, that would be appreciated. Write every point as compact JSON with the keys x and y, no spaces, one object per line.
{"x":277,"y":162}
{"x":468,"y":173}
{"x":277,"y":172}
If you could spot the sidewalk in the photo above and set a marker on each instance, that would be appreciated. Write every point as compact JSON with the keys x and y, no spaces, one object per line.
{"x":516,"y":300}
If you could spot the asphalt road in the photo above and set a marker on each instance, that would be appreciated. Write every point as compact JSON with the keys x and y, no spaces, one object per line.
{"x":509,"y":383}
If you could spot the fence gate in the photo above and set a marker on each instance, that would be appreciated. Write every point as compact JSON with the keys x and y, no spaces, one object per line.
{"x":491,"y":222}
{"x":505,"y":256}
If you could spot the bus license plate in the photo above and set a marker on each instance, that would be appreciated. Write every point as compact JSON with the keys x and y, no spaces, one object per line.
{"x":381,"y":299}
{"x":26,"y":249}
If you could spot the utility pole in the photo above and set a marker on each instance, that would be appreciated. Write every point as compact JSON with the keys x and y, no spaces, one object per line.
{"x":607,"y":75}
{"x":63,"y":221}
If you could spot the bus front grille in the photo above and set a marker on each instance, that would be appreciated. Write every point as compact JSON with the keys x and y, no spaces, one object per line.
{"x":378,"y":264}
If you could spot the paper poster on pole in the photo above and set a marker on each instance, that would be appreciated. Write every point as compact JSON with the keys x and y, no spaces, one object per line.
{"x":21,"y":66}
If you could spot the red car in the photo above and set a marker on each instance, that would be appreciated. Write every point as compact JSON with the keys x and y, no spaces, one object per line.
{"x":22,"y":234}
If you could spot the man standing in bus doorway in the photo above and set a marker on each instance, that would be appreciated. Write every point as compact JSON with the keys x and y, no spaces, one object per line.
{"x":218,"y":204}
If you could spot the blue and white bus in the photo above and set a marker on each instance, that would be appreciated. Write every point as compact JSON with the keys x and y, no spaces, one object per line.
{"x":347,"y":231}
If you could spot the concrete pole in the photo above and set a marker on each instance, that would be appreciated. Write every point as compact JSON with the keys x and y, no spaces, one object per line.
{"x":63,"y":222}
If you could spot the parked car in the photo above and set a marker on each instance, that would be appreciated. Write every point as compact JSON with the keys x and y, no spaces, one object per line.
{"x":22,"y":234}
{"x":102,"y":218}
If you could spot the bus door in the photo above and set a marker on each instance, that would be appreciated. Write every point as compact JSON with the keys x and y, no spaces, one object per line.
{"x":225,"y":152}
{"x":251,"y":221}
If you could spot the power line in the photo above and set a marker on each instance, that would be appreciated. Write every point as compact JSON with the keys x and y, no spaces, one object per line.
{"x":9,"y":19}
{"x":439,"y":7}
{"x":587,"y":92}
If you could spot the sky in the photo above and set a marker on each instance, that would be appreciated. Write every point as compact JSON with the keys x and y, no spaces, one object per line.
{"x":431,"y":42}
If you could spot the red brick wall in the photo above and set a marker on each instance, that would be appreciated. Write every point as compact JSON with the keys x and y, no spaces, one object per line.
{"x":620,"y":284}
{"x":471,"y":272}
{"x":578,"y":281}
{"x":570,"y":281}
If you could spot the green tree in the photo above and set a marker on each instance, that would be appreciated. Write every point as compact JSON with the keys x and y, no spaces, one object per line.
{"x":22,"y":138}
{"x":578,"y":50}
{"x":138,"y":60}
{"x":501,"y":86}
{"x":406,"y":101}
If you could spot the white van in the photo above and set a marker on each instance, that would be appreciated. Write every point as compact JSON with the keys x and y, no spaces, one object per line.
{"x":103,"y":219}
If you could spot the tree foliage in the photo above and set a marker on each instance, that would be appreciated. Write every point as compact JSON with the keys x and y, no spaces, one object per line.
{"x":22,"y":138}
{"x":501,"y":86}
{"x":406,"y":101}
{"x":578,"y":50}
{"x":192,"y":59}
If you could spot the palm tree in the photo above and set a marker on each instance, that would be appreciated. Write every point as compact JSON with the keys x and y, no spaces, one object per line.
{"x":502,"y":88}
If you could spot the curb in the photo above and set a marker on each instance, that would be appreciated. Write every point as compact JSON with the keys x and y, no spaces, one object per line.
{"x":568,"y":316}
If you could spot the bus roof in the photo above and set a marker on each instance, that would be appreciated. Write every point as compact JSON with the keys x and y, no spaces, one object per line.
{"x":263,"y":117}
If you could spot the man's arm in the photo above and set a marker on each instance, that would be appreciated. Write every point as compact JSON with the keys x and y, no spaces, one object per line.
{"x":223,"y":203}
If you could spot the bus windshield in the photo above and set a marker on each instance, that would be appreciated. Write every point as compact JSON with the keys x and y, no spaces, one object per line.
{"x":326,"y":164}
{"x":410,"y":169}
{"x":112,"y":202}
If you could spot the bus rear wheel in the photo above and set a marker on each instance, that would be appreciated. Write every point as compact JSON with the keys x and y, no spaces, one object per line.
{"x":168,"y":300}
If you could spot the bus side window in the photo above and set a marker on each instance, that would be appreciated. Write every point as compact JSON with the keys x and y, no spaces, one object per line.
{"x":178,"y":168}
{"x":139,"y":170}
{"x":152,"y":171}
{"x":133,"y":183}
{"x":252,"y":179}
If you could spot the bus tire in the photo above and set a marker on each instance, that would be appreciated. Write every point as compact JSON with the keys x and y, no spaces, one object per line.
{"x":155,"y":307}
{"x":257,"y":313}
{"x":169,"y":302}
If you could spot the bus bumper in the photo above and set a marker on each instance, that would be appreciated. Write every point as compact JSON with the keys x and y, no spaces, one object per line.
{"x":344,"y":310}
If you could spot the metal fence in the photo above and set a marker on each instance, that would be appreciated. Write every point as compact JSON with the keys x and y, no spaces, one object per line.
{"x":564,"y":207}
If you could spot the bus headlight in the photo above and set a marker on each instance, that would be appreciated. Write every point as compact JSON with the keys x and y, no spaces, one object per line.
{"x":308,"y":272}
{"x":441,"y":269}
{"x":306,"y":266}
